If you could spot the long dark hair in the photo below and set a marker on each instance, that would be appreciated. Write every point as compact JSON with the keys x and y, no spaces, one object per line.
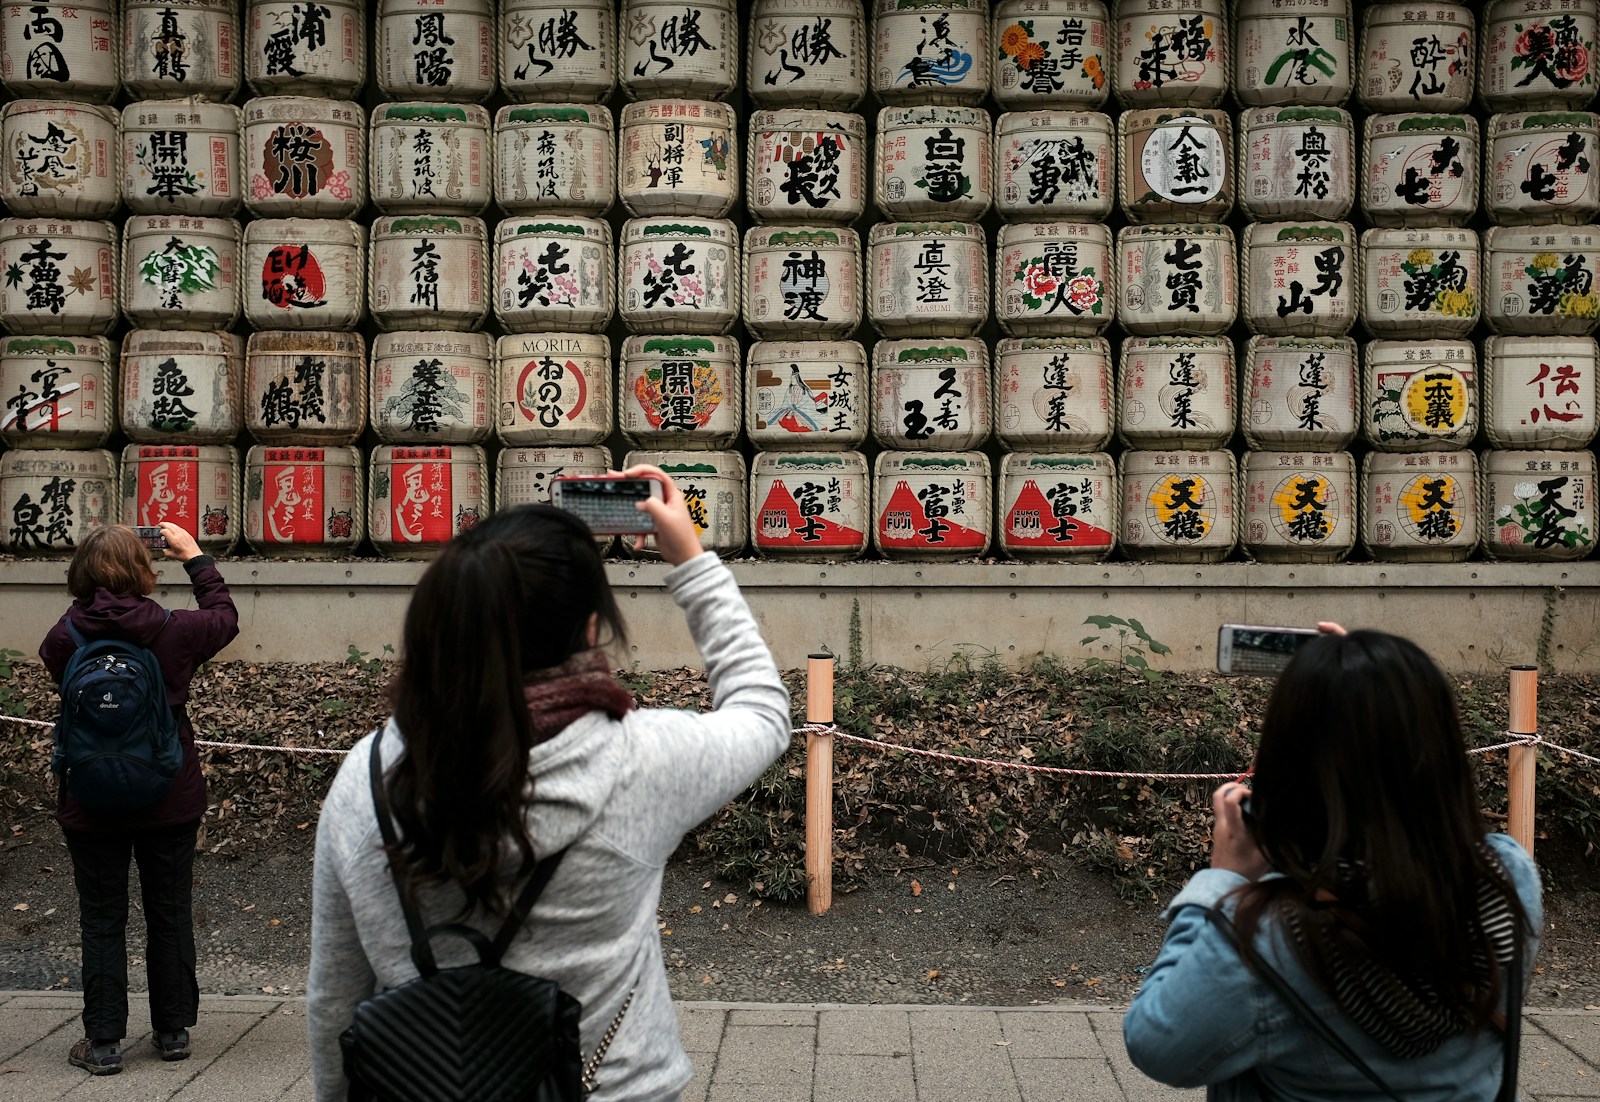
{"x":513,"y":595}
{"x":1364,"y":800}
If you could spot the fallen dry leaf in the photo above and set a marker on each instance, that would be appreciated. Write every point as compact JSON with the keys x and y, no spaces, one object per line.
{"x":695,"y":909}
{"x":933,"y":974}
{"x":20,"y":907}
{"x":916,"y":887}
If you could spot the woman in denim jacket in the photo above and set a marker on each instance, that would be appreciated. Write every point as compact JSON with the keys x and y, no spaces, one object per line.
{"x":1367,"y":880}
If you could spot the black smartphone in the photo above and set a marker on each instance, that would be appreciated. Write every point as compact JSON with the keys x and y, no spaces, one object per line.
{"x":607,"y":503}
{"x":151,"y":536}
{"x":1246,"y":648}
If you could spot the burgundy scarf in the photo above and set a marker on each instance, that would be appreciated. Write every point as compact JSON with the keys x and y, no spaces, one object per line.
{"x":561,"y":694}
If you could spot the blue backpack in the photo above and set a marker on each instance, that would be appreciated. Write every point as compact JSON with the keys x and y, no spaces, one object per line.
{"x":117,"y":741}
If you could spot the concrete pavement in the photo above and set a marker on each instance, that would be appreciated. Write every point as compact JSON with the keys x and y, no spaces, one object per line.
{"x":252,"y":1049}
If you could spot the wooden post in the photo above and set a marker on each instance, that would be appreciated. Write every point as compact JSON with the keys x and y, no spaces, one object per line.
{"x":1522,"y":759}
{"x":819,"y":785}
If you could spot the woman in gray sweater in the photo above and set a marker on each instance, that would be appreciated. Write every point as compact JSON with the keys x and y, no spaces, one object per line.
{"x":511,"y":740}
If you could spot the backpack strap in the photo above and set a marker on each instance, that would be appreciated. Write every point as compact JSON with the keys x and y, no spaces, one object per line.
{"x":542,"y":872}
{"x":1513,"y":1041}
{"x":421,"y":951}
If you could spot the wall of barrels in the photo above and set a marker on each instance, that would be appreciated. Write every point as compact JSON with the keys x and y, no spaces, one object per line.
{"x":1175,"y":280}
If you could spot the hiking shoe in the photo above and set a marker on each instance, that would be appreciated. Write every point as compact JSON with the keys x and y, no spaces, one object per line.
{"x":96,"y":1057}
{"x":172,"y":1046}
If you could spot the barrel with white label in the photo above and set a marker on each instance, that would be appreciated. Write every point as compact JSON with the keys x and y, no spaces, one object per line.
{"x":63,"y":276}
{"x":305,"y":157}
{"x":182,"y":388}
{"x":52,"y":498}
{"x":1538,"y":506}
{"x":181,"y":272}
{"x":1292,"y":52}
{"x":807,"y":53}
{"x":1420,"y":507}
{"x":431,"y":387}
{"x":810,"y":506}
{"x":1538,"y":55}
{"x":1054,"y":279}
{"x":1416,"y":58}
{"x":189,"y":48}
{"x":1419,"y":395}
{"x":303,"y":502}
{"x":801,"y":282}
{"x":923,"y":53}
{"x":293,"y":49}
{"x":933,"y":162}
{"x":1058,"y":508}
{"x":555,"y":157}
{"x":931,"y":395}
{"x":1172,"y":53}
{"x":1297,"y":162}
{"x":715,"y":487}
{"x":1299,"y":278}
{"x":1542,"y":167}
{"x":680,"y":392}
{"x":195,"y":486}
{"x":1051,"y":53}
{"x":59,"y":392}
{"x":1300,"y":393}
{"x":181,"y":157}
{"x":927,"y":278}
{"x":678,"y":157}
{"x":1539,"y":392}
{"x":420,"y":497}
{"x":558,"y":53}
{"x":436,"y":49}
{"x":429,"y":272}
{"x":1421,"y":170}
{"x":1053,"y":394}
{"x":553,"y":274}
{"x":1176,"y":392}
{"x":554,"y":389}
{"x":806,"y":395}
{"x":1175,"y":164}
{"x":1054,"y":164}
{"x":672,"y":49}
{"x":523,"y":475}
{"x":1420,"y":284}
{"x":1178,"y":506}
{"x":1177,"y":279}
{"x":60,"y":159}
{"x":1540,"y":280}
{"x":806,"y":166}
{"x":930,"y":506}
{"x":305,"y":273}
{"x":53,"y":48}
{"x":678,"y":275}
{"x":1298,"y":506}
{"x":305,"y":387}
{"x":430,"y":157}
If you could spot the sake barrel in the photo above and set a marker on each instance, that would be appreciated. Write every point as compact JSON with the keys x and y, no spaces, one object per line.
{"x":433,"y":50}
{"x":1293,"y":52}
{"x":1420,"y":507}
{"x":1541,"y":167}
{"x":553,"y":274}
{"x":181,"y":272}
{"x":1419,"y":395}
{"x":679,"y":392}
{"x":801,"y":282}
{"x":806,"y":166}
{"x":1420,"y":284}
{"x":181,"y":157}
{"x":810,"y":506}
{"x":1053,"y":394}
{"x":1054,"y":278}
{"x":1417,"y":58}
{"x":1171,"y":53}
{"x":68,"y":276}
{"x":554,"y":389}
{"x":1178,"y":506}
{"x":1539,"y":392}
{"x":1538,"y":506}
{"x":807,"y":53}
{"x":305,"y":387}
{"x":523,"y":475}
{"x":1058,"y":508}
{"x":1177,"y":279}
{"x":173,"y":48}
{"x":311,"y":273}
{"x":195,"y":486}
{"x":52,"y":498}
{"x":1176,"y":392}
{"x":930,"y":506}
{"x":931,"y":395}
{"x":59,"y":49}
{"x":1175,"y":164}
{"x":58,"y":392}
{"x":305,"y":157}
{"x":182,"y":388}
{"x":1051,"y":53}
{"x":1297,"y":162}
{"x":292,"y":49}
{"x":930,"y":54}
{"x":304,"y":503}
{"x":60,"y":159}
{"x":678,"y":275}
{"x":429,"y":272}
{"x":568,"y":52}
{"x":1538,"y":55}
{"x":715,"y":488}
{"x":933,"y":162}
{"x":927,"y":279}
{"x":1054,"y":164}
{"x":806,"y":396}
{"x":422,"y":497}
{"x":672,"y":49}
{"x":1298,"y":506}
{"x":555,"y":157}
{"x":1421,"y":170}
{"x":431,"y":387}
{"x":678,"y":157}
{"x":1300,"y":393}
{"x":430,"y":157}
{"x":1299,"y":278}
{"x":1540,"y":279}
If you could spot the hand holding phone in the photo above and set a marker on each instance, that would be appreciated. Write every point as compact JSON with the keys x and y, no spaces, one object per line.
{"x":151,"y":536}
{"x":608,"y":503}
{"x":1246,"y":648}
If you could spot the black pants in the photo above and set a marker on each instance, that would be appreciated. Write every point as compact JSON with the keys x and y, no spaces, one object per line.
{"x":166,"y":879}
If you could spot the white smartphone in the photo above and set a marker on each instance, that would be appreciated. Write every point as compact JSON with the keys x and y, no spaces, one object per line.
{"x":607,"y":503}
{"x":1248,"y":648}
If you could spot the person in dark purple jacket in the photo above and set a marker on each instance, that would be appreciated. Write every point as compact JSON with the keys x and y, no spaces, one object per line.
{"x":111,"y":580}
